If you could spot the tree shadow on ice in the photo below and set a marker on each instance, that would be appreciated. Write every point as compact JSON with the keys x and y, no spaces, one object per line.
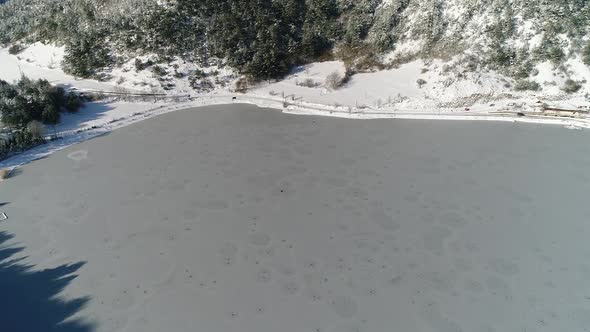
{"x":14,"y":172}
{"x":91,"y":111}
{"x":29,"y":298}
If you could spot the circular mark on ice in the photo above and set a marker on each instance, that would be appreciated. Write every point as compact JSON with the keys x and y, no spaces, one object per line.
{"x":440,"y":281}
{"x":503,"y":267}
{"x":290,"y":287}
{"x":78,"y":155}
{"x":344,"y":306}
{"x":259,"y":239}
{"x":264,"y":275}
{"x":432,"y":315}
{"x":473,"y":286}
{"x":498,"y":286}
{"x":123,"y":300}
{"x":581,"y":317}
{"x":266,"y":252}
{"x":381,"y":218}
{"x":452,"y":219}
{"x":435,"y":237}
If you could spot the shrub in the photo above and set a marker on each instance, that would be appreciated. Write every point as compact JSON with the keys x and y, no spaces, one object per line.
{"x":308,"y":83}
{"x":242,"y":85}
{"x":73,"y":102}
{"x":501,"y":56}
{"x":525,"y":85}
{"x":201,"y":84}
{"x":178,"y":74}
{"x":36,"y":129}
{"x":571,"y":86}
{"x":159,"y":71}
{"x":523,"y":71}
{"x":140,"y":65}
{"x":18,"y":141}
{"x":15,"y":49}
{"x":334,"y":81}
{"x":197,"y":73}
{"x":421,"y":83}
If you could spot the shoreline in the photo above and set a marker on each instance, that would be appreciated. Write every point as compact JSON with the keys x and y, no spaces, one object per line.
{"x":72,"y":137}
{"x":386,"y":94}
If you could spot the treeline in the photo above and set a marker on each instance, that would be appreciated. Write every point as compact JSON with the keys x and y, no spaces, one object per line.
{"x":264,"y":38}
{"x":261,"y":38}
{"x":26,"y":107}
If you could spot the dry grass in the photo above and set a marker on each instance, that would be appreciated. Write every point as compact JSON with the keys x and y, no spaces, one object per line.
{"x":308,"y":83}
{"x":36,"y":129}
{"x":3,"y":174}
{"x":359,"y":58}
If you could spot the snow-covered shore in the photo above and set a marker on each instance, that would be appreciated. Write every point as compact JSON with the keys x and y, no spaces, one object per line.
{"x":391,"y":94}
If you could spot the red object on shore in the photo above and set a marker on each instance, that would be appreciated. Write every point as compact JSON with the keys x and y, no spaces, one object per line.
{"x":467,"y":109}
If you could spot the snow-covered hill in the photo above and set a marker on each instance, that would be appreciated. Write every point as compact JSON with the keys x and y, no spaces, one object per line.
{"x":262,"y":39}
{"x":424,"y":85}
{"x":389,"y":57}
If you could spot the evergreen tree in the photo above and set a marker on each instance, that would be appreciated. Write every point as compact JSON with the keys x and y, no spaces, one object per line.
{"x":84,"y":55}
{"x":586,"y":54}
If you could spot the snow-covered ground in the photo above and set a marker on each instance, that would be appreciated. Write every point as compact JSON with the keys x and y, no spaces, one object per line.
{"x":446,"y":91}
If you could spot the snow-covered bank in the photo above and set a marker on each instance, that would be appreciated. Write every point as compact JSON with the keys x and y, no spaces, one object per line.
{"x":392,"y":94}
{"x":101,"y":118}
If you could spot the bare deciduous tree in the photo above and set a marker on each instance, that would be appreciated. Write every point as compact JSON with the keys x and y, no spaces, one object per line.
{"x":334,"y":81}
{"x":36,"y":129}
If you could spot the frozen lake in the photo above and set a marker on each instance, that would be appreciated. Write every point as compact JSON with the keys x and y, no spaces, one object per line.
{"x":235,"y":218}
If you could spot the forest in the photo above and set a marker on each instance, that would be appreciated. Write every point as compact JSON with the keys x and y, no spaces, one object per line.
{"x":263,"y":39}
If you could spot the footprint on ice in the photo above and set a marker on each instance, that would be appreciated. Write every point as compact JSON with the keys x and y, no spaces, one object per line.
{"x":473,"y":286}
{"x":290,"y":287}
{"x":284,"y":269}
{"x":344,"y":306}
{"x":215,"y":204}
{"x":452,"y":219}
{"x":259,"y":239}
{"x":499,"y":286}
{"x":432,"y":315}
{"x":581,"y":317}
{"x":503,"y":267}
{"x":264,"y":275}
{"x":355,"y":327}
{"x":228,"y":253}
{"x":435,"y":237}
{"x":122,"y":300}
{"x":381,"y":218}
